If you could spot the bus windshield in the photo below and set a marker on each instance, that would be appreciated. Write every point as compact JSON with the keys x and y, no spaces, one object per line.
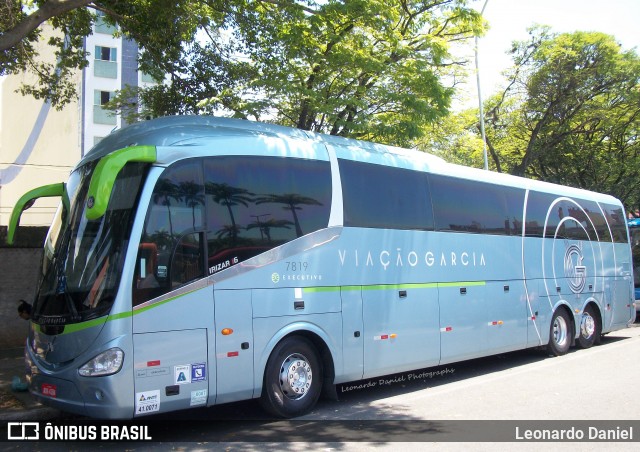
{"x":83,"y":259}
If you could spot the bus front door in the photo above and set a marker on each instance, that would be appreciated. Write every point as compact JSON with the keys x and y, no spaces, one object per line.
{"x":170,"y":344}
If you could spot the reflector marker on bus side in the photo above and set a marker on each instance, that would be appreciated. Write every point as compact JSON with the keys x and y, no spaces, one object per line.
{"x":384,"y":337}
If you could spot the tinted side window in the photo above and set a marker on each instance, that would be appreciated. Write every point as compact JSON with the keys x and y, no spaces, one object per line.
{"x":564,"y":218}
{"x":377,"y":196}
{"x":617,"y":221}
{"x":257,"y":203}
{"x":170,"y":253}
{"x":469,"y":206}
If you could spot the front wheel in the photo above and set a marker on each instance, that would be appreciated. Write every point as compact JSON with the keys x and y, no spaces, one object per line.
{"x":589,"y":328}
{"x":292,"y":378}
{"x":560,"y":333}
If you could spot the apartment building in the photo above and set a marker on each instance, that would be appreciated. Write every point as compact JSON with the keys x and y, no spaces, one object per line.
{"x":40,"y":145}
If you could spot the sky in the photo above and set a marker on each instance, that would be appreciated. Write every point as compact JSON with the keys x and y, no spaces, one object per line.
{"x":509,"y":19}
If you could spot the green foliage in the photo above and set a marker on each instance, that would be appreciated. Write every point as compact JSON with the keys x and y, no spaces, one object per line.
{"x":455,"y":138}
{"x":570,"y":114}
{"x":370,"y":69}
{"x":362,"y":68}
{"x":160,"y":27}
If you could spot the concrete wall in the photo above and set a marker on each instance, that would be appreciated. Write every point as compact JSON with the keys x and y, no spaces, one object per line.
{"x":18,"y":278}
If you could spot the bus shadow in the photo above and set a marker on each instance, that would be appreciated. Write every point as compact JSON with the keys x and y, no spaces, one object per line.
{"x":370,"y":390}
{"x":367,"y":391}
{"x":352,"y":418}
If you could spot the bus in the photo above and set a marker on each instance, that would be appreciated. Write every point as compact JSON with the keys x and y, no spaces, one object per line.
{"x":195,"y":261}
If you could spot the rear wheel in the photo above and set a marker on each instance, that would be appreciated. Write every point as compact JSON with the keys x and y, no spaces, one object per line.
{"x":589,"y":328}
{"x":560,"y":333}
{"x":292,"y":379}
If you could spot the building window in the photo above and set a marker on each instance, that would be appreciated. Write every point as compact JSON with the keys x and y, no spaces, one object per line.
{"x":100,"y":115}
{"x":106,"y":53}
{"x":105,"y":64}
{"x":147,"y":78}
{"x":101,"y":26}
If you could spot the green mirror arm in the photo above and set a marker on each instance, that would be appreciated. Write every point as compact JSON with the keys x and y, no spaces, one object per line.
{"x":25,"y":202}
{"x":105,"y":174}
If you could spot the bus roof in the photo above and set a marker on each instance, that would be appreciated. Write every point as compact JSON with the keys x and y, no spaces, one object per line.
{"x":187,"y":130}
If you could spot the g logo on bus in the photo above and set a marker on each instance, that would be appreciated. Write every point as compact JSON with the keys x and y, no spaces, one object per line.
{"x":575,"y":272}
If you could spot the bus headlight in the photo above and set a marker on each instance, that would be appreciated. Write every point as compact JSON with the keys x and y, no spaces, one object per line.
{"x":106,"y":363}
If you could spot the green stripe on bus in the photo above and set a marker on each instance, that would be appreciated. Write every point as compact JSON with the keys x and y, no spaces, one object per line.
{"x":75,"y":327}
{"x":394,"y":286}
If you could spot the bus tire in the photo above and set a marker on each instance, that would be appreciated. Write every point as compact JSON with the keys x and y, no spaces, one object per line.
{"x":560,"y":333}
{"x":292,"y":378}
{"x":589,"y":328}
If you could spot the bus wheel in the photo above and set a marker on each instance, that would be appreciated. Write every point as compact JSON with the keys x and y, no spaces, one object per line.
{"x":589,"y":328}
{"x":292,"y":379}
{"x":560,"y":333}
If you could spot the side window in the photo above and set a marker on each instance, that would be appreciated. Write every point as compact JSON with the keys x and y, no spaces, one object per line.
{"x":171,"y":250}
{"x":564,"y":218}
{"x":187,"y":263}
{"x":617,"y":221}
{"x":256,"y":203}
{"x":462,"y":205}
{"x":378,"y":196}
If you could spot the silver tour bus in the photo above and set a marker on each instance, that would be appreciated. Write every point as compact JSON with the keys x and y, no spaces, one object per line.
{"x":195,"y":261}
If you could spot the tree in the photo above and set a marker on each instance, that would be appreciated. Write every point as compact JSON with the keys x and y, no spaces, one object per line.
{"x":159,"y":27}
{"x":455,"y":138}
{"x":570,"y":114}
{"x":360,"y":68}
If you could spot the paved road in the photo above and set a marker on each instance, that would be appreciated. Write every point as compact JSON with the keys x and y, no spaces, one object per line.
{"x":584,"y":387}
